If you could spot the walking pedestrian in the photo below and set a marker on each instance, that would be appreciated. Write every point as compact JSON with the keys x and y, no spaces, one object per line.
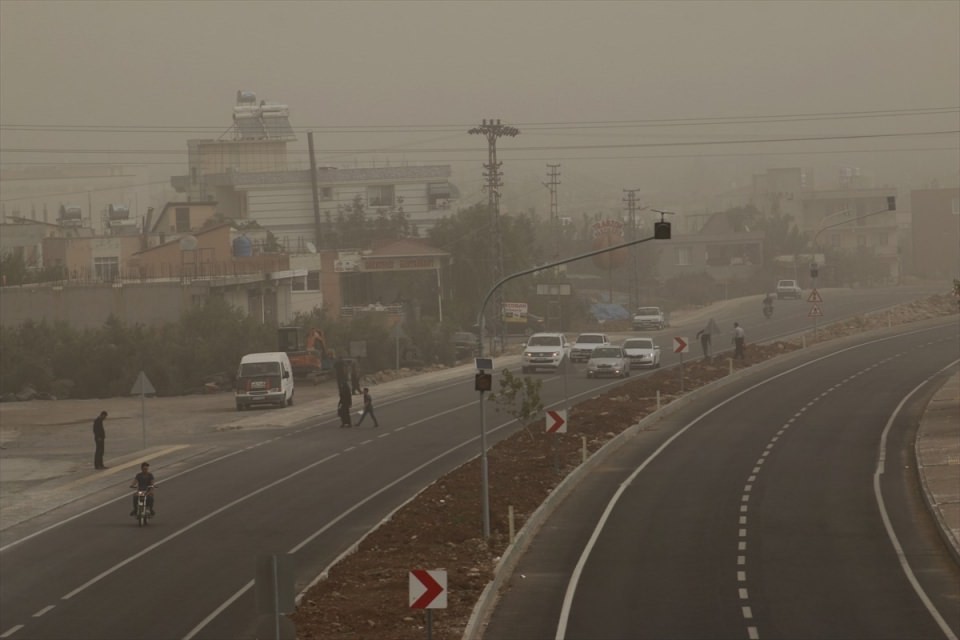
{"x":354,"y":377}
{"x":343,"y":408}
{"x":704,"y":337}
{"x":367,"y":408}
{"x":738,"y":341}
{"x":99,"y":436}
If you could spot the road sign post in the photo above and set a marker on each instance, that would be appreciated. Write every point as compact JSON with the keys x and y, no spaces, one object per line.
{"x":143,"y":386}
{"x":681,"y":345}
{"x":815,"y":311}
{"x":556,"y":422}
{"x":428,"y":590}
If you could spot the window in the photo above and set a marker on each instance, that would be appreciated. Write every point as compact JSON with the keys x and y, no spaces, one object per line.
{"x":683,"y":256}
{"x":183,"y":219}
{"x":380,"y":196}
{"x":438,"y":196}
{"x":326,"y":193}
{"x":309,"y":282}
{"x":106,"y":269}
{"x":193,"y":175}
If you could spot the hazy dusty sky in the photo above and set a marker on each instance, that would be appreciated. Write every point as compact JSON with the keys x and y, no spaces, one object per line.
{"x":392,"y":64}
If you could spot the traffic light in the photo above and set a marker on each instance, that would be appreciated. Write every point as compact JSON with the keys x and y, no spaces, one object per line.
{"x":483,"y":382}
{"x":814,"y":269}
{"x":661,"y":230}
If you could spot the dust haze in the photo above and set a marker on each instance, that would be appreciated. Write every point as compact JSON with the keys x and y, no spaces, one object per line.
{"x":680,"y":100}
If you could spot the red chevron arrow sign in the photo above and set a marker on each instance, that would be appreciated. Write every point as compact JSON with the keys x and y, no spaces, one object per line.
{"x":428,"y":589}
{"x":557,"y":421}
{"x":680,"y":345}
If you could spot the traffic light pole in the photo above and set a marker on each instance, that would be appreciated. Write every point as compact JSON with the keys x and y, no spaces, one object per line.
{"x":661,"y":232}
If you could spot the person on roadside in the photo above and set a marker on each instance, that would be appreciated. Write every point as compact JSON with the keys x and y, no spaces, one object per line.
{"x":739,"y":339}
{"x":704,"y":337}
{"x":355,"y":377}
{"x":143,"y":481}
{"x":343,"y":407}
{"x":99,"y":438}
{"x":368,"y":408}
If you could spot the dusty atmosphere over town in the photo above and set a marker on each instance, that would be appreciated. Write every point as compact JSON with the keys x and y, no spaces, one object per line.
{"x":679,"y":100}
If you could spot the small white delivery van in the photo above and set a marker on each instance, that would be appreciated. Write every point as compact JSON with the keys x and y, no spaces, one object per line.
{"x":264,"y":378}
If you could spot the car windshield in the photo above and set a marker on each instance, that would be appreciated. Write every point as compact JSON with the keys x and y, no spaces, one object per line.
{"x":250,"y":369}
{"x":544,"y":341}
{"x":606,"y":352}
{"x":638,"y":344}
{"x":590,"y":339}
{"x":648,"y":311}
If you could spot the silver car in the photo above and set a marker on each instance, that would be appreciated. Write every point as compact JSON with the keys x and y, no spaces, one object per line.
{"x":608,"y":360}
{"x":643,"y":352}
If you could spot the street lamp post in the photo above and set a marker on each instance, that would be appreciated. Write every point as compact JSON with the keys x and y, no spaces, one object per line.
{"x":661,"y":232}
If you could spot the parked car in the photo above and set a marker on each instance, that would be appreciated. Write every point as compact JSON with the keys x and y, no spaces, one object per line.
{"x":788,"y":289}
{"x":608,"y":360}
{"x":545,"y":351}
{"x":649,"y":318}
{"x":464,"y":344}
{"x":643,"y":352}
{"x":585,"y":344}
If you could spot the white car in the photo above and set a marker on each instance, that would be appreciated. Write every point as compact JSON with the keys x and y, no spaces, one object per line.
{"x":643,"y":352}
{"x":545,"y":351}
{"x":608,"y":360}
{"x":788,"y":289}
{"x":585,"y":344}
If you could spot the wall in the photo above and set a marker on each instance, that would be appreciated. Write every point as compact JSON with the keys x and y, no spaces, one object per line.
{"x":155,"y":303}
{"x":936,"y":232}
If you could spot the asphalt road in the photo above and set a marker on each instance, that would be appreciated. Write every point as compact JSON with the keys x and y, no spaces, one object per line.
{"x":309,"y":489}
{"x":754,"y":513}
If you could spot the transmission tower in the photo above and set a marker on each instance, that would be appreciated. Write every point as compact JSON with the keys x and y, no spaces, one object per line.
{"x":634,"y":292}
{"x":554,"y":174}
{"x":493,"y":130}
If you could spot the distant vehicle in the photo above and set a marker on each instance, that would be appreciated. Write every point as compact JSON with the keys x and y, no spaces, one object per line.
{"x":608,"y":360}
{"x":464,"y":344}
{"x":649,"y":318}
{"x":643,"y":352}
{"x":788,"y":289}
{"x":585,"y":345}
{"x":545,"y":351}
{"x":264,"y":378}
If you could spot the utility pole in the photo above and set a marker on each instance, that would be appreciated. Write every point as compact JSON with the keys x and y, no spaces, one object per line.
{"x":631,"y":202}
{"x":317,"y":235}
{"x":554,"y":174}
{"x":493,"y":130}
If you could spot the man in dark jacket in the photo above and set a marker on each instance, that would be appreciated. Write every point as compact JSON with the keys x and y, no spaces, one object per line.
{"x":99,"y":436}
{"x":343,"y":408}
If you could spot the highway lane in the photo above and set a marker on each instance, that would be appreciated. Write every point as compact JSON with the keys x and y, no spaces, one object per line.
{"x":312,"y":490}
{"x":761,"y":519}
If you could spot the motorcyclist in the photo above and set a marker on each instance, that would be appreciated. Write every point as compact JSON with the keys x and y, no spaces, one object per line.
{"x":143,"y":481}
{"x":768,"y":305}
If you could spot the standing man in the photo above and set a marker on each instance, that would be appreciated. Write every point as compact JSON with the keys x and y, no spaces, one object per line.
{"x":704,"y":337}
{"x":738,"y":340}
{"x":99,"y":435}
{"x":367,"y":408}
{"x":343,"y":408}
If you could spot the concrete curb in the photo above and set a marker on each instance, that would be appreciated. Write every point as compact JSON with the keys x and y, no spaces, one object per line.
{"x":937,"y":460}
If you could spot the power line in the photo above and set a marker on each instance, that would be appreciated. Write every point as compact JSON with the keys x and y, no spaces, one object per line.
{"x":456,"y":128}
{"x":625,"y":145}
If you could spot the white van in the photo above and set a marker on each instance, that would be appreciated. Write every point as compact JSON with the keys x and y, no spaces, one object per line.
{"x":264,"y":378}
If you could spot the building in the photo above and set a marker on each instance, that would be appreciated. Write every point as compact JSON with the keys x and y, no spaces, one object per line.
{"x":936,"y":233}
{"x":251,"y":177}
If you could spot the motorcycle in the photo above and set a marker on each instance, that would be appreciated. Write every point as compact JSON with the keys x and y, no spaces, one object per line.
{"x":141,"y":512}
{"x":768,"y":311}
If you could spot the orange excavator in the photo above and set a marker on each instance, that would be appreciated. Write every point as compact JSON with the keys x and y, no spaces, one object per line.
{"x":309,"y":356}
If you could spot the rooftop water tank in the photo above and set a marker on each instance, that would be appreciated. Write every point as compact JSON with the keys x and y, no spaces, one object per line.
{"x":242,"y":247}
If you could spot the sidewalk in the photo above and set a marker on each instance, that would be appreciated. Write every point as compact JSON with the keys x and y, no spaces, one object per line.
{"x":938,"y":460}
